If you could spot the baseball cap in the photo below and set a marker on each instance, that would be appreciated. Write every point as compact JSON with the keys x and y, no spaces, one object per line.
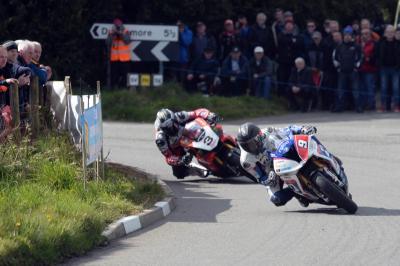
{"x":235,"y":49}
{"x":258,"y":49}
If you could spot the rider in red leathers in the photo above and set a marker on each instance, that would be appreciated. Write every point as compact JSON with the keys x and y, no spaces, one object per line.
{"x":169,"y":127}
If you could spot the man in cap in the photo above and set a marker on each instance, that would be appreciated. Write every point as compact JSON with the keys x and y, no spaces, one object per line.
{"x":12,"y":51}
{"x":261,"y":74}
{"x":227,"y":40}
{"x":235,"y":73}
{"x":201,"y":40}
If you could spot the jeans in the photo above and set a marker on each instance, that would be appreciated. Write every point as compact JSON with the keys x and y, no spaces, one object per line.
{"x":367,"y":90}
{"x":262,"y":87}
{"x":348,"y":82}
{"x":390,"y":74}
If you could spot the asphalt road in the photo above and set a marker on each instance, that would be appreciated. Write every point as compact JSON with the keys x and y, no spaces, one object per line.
{"x":231,"y":223}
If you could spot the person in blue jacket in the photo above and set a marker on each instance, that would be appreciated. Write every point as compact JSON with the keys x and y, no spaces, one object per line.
{"x":235,"y":73}
{"x":185,"y":40}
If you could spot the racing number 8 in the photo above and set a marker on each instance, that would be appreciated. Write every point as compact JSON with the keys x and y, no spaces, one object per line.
{"x":302,"y":144}
{"x":208,"y":140}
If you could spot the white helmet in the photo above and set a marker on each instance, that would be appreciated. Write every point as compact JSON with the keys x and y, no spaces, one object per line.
{"x":166,"y":121}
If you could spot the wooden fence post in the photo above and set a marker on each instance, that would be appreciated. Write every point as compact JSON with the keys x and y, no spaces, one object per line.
{"x":34,"y":105}
{"x":14,"y":103}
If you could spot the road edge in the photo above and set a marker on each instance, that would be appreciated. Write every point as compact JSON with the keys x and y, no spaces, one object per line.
{"x":129,"y":224}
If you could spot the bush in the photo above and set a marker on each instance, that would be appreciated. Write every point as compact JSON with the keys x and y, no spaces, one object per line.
{"x":142,"y":106}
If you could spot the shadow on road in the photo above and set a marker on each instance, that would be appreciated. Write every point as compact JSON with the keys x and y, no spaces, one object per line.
{"x":362,"y":211}
{"x":216,"y":180}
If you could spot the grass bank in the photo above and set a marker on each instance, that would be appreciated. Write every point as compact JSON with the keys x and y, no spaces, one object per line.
{"x":45,"y":214}
{"x":142,"y":106}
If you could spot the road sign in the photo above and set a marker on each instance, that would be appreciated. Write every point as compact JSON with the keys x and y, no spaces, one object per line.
{"x":157,"y":80}
{"x":133,"y":80}
{"x":145,"y":80}
{"x":154,"y":51}
{"x":139,"y":32}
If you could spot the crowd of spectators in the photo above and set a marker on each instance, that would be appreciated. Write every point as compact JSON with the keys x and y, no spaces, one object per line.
{"x":19,"y":62}
{"x":327,"y":66}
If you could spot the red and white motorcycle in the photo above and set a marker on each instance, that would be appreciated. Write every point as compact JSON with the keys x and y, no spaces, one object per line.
{"x":305,"y":165}
{"x":213,"y":149}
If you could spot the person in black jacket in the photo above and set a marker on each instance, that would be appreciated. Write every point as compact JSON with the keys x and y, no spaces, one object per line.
{"x":10,"y":74}
{"x":261,"y":35}
{"x":347,"y":58}
{"x":301,"y":87}
{"x":261,"y":73}
{"x":389,"y":63}
{"x":290,"y":47}
{"x":235,"y":73}
{"x":201,"y":40}
{"x":203,"y":71}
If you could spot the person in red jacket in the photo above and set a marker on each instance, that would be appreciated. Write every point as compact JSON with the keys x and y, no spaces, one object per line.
{"x":169,"y":128}
{"x":368,"y":69}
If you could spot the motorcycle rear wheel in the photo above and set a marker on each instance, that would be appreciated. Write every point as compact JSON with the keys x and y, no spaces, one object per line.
{"x":335,"y":194}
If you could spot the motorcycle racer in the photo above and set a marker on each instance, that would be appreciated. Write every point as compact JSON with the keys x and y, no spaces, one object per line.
{"x":169,"y":128}
{"x":256,"y":146}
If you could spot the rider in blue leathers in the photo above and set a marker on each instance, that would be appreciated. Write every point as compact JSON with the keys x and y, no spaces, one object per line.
{"x":256,"y":146}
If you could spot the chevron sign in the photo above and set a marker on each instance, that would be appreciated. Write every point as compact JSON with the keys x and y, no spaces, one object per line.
{"x":150,"y":43}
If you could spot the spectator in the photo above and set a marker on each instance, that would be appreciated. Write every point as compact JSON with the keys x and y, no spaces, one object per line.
{"x":185,"y":40}
{"x":227,"y":40}
{"x":201,"y":40}
{"x":235,"y":73}
{"x":389,"y":63}
{"x":368,"y":69}
{"x":278,"y":25}
{"x":244,"y":35}
{"x":356,"y":30}
{"x":10,"y":74}
{"x":261,"y":35}
{"x":43,"y":72}
{"x":300,"y":87}
{"x":117,"y":42}
{"x":326,"y":29}
{"x":315,"y":60}
{"x":347,"y":59}
{"x":203,"y":72}
{"x":261,"y":72}
{"x":330,"y":75}
{"x":290,"y":47}
{"x":12,"y":51}
{"x":397,"y":34}
{"x":25,"y":51}
{"x":307,"y":35}
{"x":288,"y":16}
{"x":366,"y":24}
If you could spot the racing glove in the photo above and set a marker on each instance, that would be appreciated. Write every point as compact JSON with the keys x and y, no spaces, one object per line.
{"x":308,"y":130}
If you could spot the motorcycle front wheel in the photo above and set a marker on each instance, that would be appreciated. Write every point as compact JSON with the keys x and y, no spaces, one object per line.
{"x":335,"y":194}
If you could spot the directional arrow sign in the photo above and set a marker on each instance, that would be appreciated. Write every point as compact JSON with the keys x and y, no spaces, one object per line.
{"x":139,"y":32}
{"x":150,"y":51}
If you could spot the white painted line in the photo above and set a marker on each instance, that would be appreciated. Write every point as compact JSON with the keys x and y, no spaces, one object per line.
{"x":131,"y":223}
{"x":164,"y":206}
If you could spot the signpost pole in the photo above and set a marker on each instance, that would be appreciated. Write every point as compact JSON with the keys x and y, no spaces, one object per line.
{"x":396,"y":20}
{"x":101,"y":152}
{"x":83,"y":141}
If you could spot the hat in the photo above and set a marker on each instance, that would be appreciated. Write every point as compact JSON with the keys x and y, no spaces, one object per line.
{"x":235,"y":50}
{"x":10,"y":45}
{"x":228,"y":22}
{"x":258,"y":49}
{"x":288,"y":14}
{"x":117,"y":22}
{"x":199,"y":23}
{"x":348,"y":30}
{"x":209,"y":49}
{"x":316,"y":34}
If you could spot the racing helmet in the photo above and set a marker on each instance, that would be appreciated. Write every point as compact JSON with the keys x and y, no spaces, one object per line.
{"x":167,"y":122}
{"x":249,"y":138}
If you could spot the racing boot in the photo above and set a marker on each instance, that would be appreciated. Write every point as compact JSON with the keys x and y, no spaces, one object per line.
{"x":198,"y":171}
{"x":303,"y":201}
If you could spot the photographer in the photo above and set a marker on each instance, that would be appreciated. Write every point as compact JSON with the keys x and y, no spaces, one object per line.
{"x":118,"y":46}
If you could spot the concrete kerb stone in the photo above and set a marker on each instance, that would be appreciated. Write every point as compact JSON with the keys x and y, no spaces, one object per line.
{"x":130,"y":224}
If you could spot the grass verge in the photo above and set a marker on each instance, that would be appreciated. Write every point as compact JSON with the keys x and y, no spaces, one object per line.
{"x":46,"y":215}
{"x":142,"y":106}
